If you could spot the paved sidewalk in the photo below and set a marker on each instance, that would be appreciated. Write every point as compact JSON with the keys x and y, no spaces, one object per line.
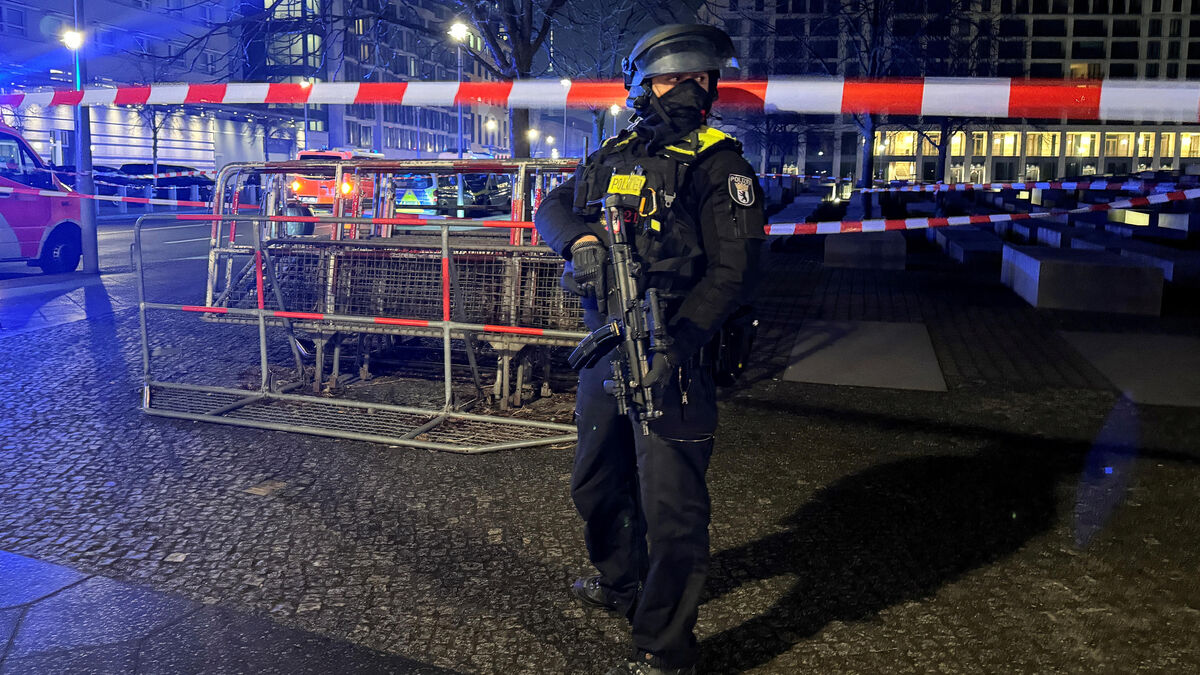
{"x":56,"y":620}
{"x":1027,"y":519}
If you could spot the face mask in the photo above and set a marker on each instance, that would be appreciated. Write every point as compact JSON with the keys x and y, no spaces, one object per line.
{"x":676,"y":113}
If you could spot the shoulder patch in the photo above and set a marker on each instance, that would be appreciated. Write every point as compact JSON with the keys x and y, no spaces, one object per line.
{"x":741,"y":189}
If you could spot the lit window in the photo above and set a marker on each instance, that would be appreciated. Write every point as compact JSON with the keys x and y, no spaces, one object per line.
{"x":1083,"y":143}
{"x":1189,"y":145}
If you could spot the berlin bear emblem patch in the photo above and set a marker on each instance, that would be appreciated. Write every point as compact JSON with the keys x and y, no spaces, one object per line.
{"x":741,"y":189}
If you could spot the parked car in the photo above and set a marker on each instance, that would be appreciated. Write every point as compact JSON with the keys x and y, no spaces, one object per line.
{"x":490,"y":190}
{"x":183,"y":183}
{"x":39,"y":229}
{"x":109,"y":179}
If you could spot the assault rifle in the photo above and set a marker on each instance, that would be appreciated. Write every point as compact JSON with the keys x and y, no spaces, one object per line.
{"x":637,"y":325}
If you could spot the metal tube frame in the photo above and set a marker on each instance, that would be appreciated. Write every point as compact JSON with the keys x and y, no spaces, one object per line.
{"x":554,"y":433}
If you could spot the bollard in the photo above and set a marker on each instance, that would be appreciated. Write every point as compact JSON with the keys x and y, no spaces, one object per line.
{"x":123,"y":193}
{"x":173,"y":193}
{"x":195,"y":192}
{"x":252,"y":194}
{"x":149,"y":195}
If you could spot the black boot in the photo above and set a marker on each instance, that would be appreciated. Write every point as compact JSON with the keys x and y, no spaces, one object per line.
{"x":590,"y":592}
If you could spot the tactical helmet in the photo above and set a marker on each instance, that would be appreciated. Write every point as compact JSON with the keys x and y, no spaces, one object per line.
{"x":676,"y":48}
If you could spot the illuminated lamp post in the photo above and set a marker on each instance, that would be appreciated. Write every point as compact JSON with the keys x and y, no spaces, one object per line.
{"x":84,"y":182}
{"x":532,"y":135}
{"x":566,"y":83}
{"x":306,"y":84}
{"x":458,"y":32}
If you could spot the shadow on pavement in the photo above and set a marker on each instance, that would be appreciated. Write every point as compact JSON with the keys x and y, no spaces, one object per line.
{"x":900,"y":531}
{"x":892,"y":533}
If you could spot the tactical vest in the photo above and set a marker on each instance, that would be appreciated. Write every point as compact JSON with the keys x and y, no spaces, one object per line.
{"x":669,"y":243}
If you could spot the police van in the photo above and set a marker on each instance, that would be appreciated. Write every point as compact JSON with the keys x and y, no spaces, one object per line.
{"x":40,"y":229}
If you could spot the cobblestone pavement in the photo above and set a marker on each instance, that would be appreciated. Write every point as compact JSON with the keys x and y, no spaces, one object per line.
{"x":1028,"y":520}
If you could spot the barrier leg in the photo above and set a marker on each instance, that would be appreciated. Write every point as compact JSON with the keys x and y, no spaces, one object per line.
{"x":319,"y":367}
{"x":497,"y":384}
{"x":364,"y":357}
{"x":519,"y":389}
{"x":505,"y":364}
{"x":335,"y":370}
{"x":123,"y":206}
{"x":195,"y":193}
{"x":149,"y":191}
{"x":546,"y":391}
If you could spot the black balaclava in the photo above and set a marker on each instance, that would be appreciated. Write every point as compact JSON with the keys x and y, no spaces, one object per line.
{"x":672,"y":116}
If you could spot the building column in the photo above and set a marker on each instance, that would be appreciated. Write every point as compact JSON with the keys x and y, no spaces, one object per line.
{"x":1178,"y":154}
{"x":858,"y":160}
{"x":968,"y":153}
{"x":1100,"y":155}
{"x":919,"y":159}
{"x":377,"y":143}
{"x":987,"y":162}
{"x":1022,"y":175}
{"x":1062,"y":154}
{"x":1156,"y":151}
{"x":949,"y":158}
{"x":837,"y":152}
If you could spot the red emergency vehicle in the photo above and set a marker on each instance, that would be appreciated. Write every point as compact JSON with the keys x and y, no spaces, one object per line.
{"x":318,"y":190}
{"x":39,"y":228}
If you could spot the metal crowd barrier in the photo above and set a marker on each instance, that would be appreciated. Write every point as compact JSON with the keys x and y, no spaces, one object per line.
{"x":479,"y":287}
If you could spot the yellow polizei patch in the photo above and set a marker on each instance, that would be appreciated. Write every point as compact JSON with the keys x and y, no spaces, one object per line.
{"x":626,"y":184}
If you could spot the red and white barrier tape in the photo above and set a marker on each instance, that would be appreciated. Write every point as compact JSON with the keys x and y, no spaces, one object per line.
{"x":799,"y":176}
{"x":1158,"y":101}
{"x":140,"y":176}
{"x":883,"y":225}
{"x":104,"y":198}
{"x":1128,"y":186}
{"x":830,"y":227}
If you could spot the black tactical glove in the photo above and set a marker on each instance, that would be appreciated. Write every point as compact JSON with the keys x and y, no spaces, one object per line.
{"x":587,"y":259}
{"x":662,"y":365}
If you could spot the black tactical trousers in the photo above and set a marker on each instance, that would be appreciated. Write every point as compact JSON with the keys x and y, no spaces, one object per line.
{"x":645,"y":506}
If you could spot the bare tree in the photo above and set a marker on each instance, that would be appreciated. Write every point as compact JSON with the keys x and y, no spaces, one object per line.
{"x":888,"y":38}
{"x":771,"y":134}
{"x":600,"y":35}
{"x":513,"y":32}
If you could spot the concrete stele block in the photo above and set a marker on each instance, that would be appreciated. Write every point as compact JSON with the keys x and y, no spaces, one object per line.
{"x":1053,"y":235}
{"x":875,"y":250}
{"x":1180,"y":267}
{"x":1177,"y":221}
{"x":1025,"y":231}
{"x":1088,"y":240}
{"x":977,"y":252}
{"x":1087,"y":281}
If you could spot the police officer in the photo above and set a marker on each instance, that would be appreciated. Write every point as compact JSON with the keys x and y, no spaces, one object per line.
{"x":643,"y":497}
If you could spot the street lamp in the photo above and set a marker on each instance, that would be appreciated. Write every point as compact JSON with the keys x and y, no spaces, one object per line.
{"x":614,"y":110}
{"x":491,"y":125}
{"x":74,"y":40}
{"x":566,"y":83}
{"x":532,"y":135}
{"x":458,"y":32}
{"x":305,"y":84}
